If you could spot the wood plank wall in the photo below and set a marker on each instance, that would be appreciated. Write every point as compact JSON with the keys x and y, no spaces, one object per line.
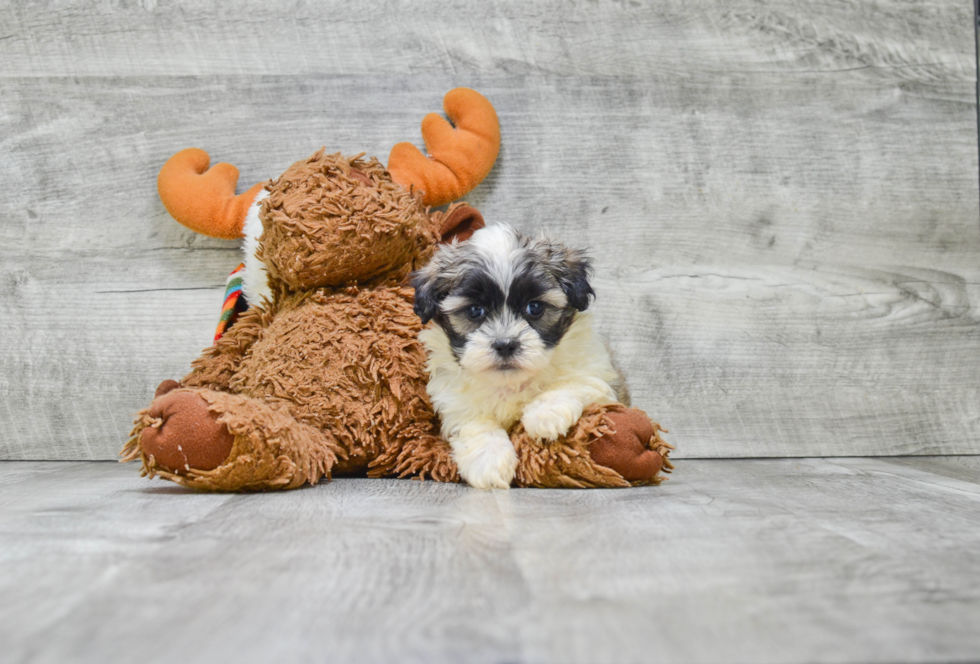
{"x":781,"y":196}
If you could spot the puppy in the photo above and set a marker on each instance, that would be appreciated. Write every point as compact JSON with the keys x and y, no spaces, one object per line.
{"x":509,"y":343}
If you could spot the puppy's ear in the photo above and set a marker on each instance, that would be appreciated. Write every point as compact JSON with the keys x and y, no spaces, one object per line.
{"x":572,"y":269}
{"x":430,"y":289}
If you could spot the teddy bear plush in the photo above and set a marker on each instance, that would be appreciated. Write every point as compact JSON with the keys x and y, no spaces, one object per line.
{"x":323,"y":374}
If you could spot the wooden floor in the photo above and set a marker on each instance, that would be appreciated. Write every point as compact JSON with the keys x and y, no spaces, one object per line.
{"x":796,"y":560}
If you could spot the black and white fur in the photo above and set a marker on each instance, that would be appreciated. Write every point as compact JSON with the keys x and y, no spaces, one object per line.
{"x":509,"y":343}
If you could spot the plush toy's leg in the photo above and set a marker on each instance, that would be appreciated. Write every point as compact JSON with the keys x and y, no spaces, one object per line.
{"x":610,"y":446}
{"x":226,"y":442}
{"x":420,"y":452}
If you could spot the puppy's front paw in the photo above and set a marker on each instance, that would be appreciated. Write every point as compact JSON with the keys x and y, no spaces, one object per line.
{"x":549,"y":417}
{"x":486,"y":460}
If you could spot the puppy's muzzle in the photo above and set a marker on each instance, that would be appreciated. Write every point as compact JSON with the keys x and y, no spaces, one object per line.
{"x":506,"y":348}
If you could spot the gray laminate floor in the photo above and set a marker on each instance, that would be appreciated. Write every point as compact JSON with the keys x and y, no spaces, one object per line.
{"x":739,"y":560}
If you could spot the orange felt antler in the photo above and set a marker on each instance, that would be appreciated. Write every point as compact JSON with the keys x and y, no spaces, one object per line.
{"x":204,"y":200}
{"x":460,"y":157}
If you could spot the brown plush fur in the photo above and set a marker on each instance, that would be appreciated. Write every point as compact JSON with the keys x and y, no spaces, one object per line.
{"x":324,"y":227}
{"x":330,"y":377}
{"x":567,"y":463}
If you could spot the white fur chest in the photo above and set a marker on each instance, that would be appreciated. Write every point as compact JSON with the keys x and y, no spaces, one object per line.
{"x":460,"y":397}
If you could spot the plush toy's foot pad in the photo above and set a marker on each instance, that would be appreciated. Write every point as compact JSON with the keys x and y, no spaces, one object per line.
{"x":625,"y":449}
{"x":184,"y":434}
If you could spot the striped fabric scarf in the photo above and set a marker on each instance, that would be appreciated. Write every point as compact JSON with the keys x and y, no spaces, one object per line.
{"x":235,"y":302}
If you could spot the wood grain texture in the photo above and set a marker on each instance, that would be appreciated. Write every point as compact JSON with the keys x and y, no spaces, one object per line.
{"x":461,"y":37}
{"x":781,"y":198}
{"x":813,"y":560}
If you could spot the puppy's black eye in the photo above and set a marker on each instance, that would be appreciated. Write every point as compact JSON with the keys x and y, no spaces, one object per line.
{"x":475,"y":312}
{"x":534,"y":309}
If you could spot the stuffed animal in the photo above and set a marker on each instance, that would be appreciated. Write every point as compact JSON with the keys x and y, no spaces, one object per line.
{"x":323,"y":374}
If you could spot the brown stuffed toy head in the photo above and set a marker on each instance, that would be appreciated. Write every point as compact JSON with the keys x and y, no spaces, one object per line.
{"x":330,"y":220}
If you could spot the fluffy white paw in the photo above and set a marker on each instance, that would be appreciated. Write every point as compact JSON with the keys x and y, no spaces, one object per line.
{"x":548,"y":417}
{"x":486,"y":460}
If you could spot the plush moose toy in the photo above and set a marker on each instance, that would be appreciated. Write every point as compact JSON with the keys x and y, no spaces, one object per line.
{"x":323,"y":374}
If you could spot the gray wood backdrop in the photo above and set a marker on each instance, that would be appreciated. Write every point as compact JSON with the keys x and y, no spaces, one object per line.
{"x":781,"y":196}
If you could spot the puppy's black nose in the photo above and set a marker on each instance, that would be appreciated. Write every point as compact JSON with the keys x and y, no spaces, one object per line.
{"x":506,"y":347}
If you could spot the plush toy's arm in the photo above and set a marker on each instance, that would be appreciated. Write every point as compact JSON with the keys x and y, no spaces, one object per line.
{"x":217,"y":365}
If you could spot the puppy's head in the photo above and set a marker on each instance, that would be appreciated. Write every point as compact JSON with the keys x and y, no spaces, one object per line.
{"x":504,"y":299}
